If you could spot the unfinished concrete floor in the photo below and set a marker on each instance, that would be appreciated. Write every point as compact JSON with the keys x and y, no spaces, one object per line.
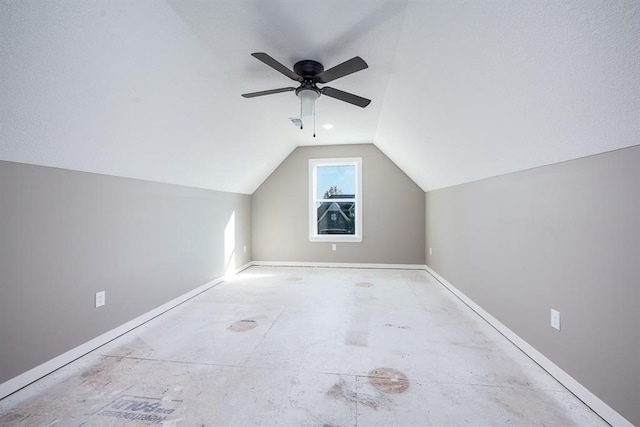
{"x":305,"y":347}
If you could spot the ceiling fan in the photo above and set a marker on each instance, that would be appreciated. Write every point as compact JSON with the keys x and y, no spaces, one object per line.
{"x":309,"y":73}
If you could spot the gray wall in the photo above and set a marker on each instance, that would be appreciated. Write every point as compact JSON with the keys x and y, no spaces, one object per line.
{"x":65,"y":235}
{"x":567,"y":237}
{"x":393,"y":212}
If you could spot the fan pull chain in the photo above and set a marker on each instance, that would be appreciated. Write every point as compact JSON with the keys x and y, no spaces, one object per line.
{"x":314,"y":119}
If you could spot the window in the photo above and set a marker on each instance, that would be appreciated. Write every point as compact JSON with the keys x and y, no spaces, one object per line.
{"x":335,"y":200}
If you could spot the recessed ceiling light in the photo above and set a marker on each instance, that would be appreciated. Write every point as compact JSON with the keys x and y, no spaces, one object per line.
{"x":328,"y":126}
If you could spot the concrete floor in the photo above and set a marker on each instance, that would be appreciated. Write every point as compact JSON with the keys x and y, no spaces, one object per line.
{"x":305,"y":347}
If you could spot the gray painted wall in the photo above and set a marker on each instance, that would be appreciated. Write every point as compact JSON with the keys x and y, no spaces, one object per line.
{"x":393,"y":212}
{"x":65,"y":235}
{"x":565,"y":236}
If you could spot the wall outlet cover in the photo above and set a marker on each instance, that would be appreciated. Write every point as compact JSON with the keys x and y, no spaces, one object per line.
{"x":555,"y":319}
{"x":100,"y":299}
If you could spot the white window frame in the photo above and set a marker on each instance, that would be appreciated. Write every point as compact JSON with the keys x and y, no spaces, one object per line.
{"x":313,"y":210}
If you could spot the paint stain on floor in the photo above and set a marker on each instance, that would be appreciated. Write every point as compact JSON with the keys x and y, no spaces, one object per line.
{"x":388,"y":380}
{"x":340,"y":391}
{"x":243,"y":325}
{"x":391,"y":325}
{"x":12,"y":419}
{"x":80,"y":400}
{"x":364,"y":285}
{"x":137,"y":347}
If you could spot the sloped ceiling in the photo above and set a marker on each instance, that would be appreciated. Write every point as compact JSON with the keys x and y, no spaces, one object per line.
{"x":460,"y":90}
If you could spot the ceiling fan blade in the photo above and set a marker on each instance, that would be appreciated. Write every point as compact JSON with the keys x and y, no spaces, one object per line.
{"x":347,"y":67}
{"x":345,"y":96}
{"x":276,"y":65}
{"x":268,"y":92}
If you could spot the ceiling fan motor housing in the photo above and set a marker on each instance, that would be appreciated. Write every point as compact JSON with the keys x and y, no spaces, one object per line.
{"x":308,"y":69}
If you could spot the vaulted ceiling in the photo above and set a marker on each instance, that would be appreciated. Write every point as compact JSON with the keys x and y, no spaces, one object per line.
{"x":460,"y":90}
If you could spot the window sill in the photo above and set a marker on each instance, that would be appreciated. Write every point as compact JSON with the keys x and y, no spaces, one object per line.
{"x":335,"y":238}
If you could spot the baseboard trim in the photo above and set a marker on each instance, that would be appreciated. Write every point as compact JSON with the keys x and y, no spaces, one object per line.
{"x":339,"y":265}
{"x":607,"y":413}
{"x":23,"y":380}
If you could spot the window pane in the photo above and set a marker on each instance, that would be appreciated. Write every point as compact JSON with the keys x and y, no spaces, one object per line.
{"x":336,"y":217}
{"x":336,"y":182}
{"x":335,"y":200}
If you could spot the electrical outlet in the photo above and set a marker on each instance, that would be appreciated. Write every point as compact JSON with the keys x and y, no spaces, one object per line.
{"x":245,"y":248}
{"x":100,"y":299}
{"x":555,"y":319}
{"x":430,"y":251}
{"x":333,"y":246}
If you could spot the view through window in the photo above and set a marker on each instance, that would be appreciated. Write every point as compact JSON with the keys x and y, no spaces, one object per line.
{"x":335,"y":208}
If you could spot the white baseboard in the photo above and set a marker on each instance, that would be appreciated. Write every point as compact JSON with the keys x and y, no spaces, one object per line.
{"x":339,"y":265}
{"x":581,"y":392}
{"x":22,"y":380}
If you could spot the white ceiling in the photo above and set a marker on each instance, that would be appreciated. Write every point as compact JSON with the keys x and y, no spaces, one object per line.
{"x":461,"y":90}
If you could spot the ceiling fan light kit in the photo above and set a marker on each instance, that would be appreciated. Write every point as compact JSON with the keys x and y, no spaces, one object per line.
{"x":308,"y":98}
{"x":309,"y":73}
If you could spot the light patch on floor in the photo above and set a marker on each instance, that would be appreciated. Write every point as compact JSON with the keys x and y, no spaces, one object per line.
{"x":357,"y":338}
{"x":268,"y":349}
{"x":364,"y":284}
